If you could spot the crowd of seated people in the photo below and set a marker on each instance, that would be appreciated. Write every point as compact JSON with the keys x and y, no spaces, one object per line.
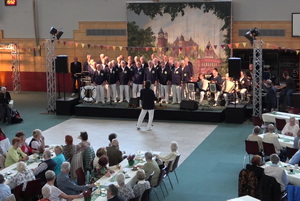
{"x":54,"y":170}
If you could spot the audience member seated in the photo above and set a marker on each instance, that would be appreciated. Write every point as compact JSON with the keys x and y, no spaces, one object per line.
{"x":141,"y":185}
{"x":47,"y":164}
{"x":111,"y":137}
{"x":15,"y":154}
{"x":100,"y":152}
{"x":270,"y":137}
{"x":56,"y":194}
{"x":151,"y":166}
{"x":101,"y":170}
{"x":278,"y":173}
{"x":23,"y":145}
{"x":296,"y":140}
{"x":112,"y":193}
{"x":69,"y":150}
{"x":58,"y":159}
{"x":291,"y":128}
{"x":65,"y":184}
{"x":38,"y":141}
{"x":255,"y":167}
{"x":113,"y":153}
{"x":23,"y":175}
{"x":124,"y":190}
{"x":170,"y":157}
{"x":4,"y":102}
{"x":255,"y":137}
{"x":46,"y":192}
{"x":296,"y":158}
{"x":4,"y":188}
{"x":84,"y":142}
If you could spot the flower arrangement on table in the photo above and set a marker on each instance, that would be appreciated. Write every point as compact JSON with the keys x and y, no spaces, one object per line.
{"x":87,"y":194}
{"x":130,"y":159}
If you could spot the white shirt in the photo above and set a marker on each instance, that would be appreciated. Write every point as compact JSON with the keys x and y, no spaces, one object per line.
{"x":292,"y":129}
{"x":253,"y":137}
{"x":55,"y":193}
{"x":272,"y":138}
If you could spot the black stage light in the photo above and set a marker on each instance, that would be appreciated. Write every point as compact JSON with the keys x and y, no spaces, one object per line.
{"x":59,"y":34}
{"x":53,"y":31}
{"x":252,"y":34}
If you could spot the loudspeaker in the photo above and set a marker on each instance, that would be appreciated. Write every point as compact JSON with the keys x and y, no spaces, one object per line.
{"x":134,"y":102}
{"x":234,"y":67}
{"x":61,"y":64}
{"x":188,"y":105}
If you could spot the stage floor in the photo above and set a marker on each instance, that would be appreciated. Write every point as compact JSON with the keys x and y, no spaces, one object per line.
{"x":205,"y":113}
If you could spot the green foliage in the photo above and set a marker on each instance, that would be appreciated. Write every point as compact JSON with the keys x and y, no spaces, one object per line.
{"x":138,"y":37}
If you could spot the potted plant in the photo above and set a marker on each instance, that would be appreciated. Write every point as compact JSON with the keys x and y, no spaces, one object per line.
{"x":130,"y":159}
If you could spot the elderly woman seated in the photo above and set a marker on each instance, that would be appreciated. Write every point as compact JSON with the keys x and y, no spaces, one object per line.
{"x":170,"y":157}
{"x":101,"y":170}
{"x":69,"y":150}
{"x":23,"y":145}
{"x":100,"y":152}
{"x":23,"y":175}
{"x":58,"y":159}
{"x":38,"y":141}
{"x":15,"y":154}
{"x":55,"y":193}
{"x":142,"y":184}
{"x":124,"y":190}
{"x":256,"y":162}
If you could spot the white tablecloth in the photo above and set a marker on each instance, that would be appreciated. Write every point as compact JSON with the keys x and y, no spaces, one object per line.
{"x":284,"y":140}
{"x":270,"y":117}
{"x":293,"y":178}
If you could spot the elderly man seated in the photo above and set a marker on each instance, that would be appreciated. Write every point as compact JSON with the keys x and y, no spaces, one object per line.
{"x":124,"y":190}
{"x":278,"y":173}
{"x":151,"y":166}
{"x":112,"y":193}
{"x":65,"y":184}
{"x":47,"y":164}
{"x":113,"y":153}
{"x":270,"y":137}
{"x":291,"y":128}
{"x":255,"y":137}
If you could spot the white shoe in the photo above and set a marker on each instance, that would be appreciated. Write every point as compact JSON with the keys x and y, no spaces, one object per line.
{"x":103,"y":102}
{"x":96,"y":102}
{"x":73,"y":94}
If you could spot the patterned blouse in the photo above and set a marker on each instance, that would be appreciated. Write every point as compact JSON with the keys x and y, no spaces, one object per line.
{"x":23,"y":177}
{"x":140,"y":187}
{"x":126,"y":192}
{"x":69,"y":151}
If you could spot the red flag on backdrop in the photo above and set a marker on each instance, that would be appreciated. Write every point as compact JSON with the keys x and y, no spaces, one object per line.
{"x":89,"y":45}
{"x":107,"y":47}
{"x":64,"y":42}
{"x":222,"y":46}
{"x":146,"y":48}
{"x":230,"y":46}
{"x":215,"y":46}
{"x":101,"y":47}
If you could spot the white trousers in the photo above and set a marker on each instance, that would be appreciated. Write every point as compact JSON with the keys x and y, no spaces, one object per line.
{"x":202,"y":93}
{"x":185,"y":92}
{"x":126,"y":89}
{"x":136,"y":89}
{"x":142,"y":116}
{"x":111,"y":92}
{"x":176,"y":93}
{"x":243,"y":93}
{"x":164,"y":92}
{"x":100,"y":93}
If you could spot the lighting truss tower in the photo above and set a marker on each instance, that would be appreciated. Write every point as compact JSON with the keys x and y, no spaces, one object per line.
{"x":15,"y":66}
{"x":257,"y":78}
{"x":50,"y":74}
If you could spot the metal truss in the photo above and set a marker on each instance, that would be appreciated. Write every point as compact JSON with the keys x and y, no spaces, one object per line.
{"x":15,"y":64}
{"x":257,"y":78}
{"x":50,"y":75}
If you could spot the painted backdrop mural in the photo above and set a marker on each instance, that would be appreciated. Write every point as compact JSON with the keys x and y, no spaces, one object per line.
{"x":199,"y":31}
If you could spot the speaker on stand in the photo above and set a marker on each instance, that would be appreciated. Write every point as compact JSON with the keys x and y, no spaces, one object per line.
{"x":61,"y":66}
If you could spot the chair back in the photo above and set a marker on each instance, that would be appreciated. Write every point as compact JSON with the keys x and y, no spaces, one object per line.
{"x":280,"y":123}
{"x":135,"y":199}
{"x":269,"y":189}
{"x":161,"y":176}
{"x":256,"y":121}
{"x":17,"y":191}
{"x":290,"y":152}
{"x":251,"y":147}
{"x":150,"y":177}
{"x":168,"y":168}
{"x":33,"y":188}
{"x":269,"y":149}
{"x":80,"y":176}
{"x":175,"y":163}
{"x":146,"y":195}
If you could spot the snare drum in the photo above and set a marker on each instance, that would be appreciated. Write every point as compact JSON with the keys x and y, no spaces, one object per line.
{"x":88,"y":93}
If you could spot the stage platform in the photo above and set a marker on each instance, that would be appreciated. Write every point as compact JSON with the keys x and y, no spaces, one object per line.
{"x":170,"y":112}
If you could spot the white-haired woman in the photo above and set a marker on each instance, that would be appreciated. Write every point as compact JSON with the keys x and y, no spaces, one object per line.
{"x":124,"y":190}
{"x":142,"y":184}
{"x":23,"y":175}
{"x":38,"y":141}
{"x":170,"y":157}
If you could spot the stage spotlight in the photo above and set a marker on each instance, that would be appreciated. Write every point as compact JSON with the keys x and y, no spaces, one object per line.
{"x":59,"y":34}
{"x":54,"y":32}
{"x":252,"y":34}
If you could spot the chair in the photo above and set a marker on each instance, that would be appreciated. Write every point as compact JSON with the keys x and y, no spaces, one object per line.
{"x":290,"y":152}
{"x":280,"y":123}
{"x":17,"y":191}
{"x":135,"y":199}
{"x":146,"y":195}
{"x":252,"y":148}
{"x":269,"y":149}
{"x":150,"y":178}
{"x":168,"y":169}
{"x":175,"y":165}
{"x":257,"y":121}
{"x":269,"y":189}
{"x":159,"y":181}
{"x":33,"y":189}
{"x":80,"y":176}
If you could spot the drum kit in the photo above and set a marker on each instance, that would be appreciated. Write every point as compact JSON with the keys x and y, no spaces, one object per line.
{"x":87,"y":89}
